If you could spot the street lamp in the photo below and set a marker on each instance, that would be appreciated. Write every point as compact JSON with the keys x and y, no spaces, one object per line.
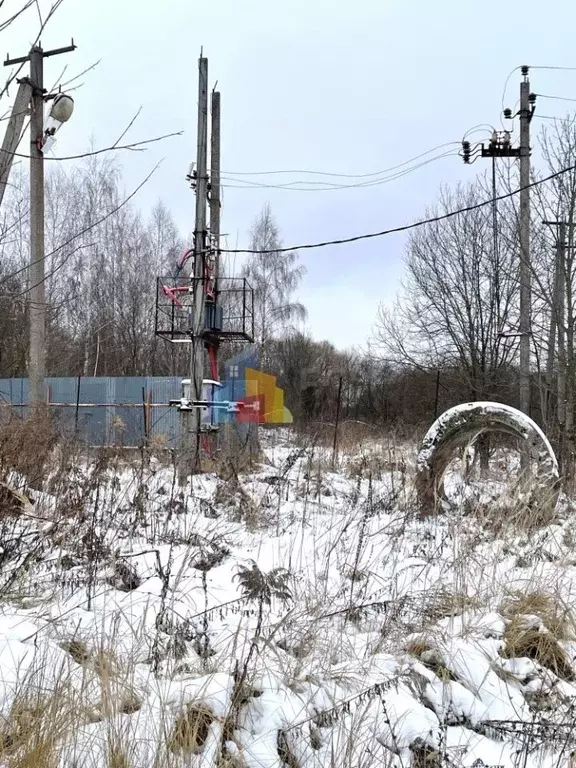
{"x":60,"y":112}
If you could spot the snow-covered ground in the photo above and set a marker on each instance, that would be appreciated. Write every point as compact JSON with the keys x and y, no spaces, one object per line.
{"x":298,"y":618}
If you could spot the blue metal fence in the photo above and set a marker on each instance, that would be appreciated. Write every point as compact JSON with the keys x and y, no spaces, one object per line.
{"x":107,"y":409}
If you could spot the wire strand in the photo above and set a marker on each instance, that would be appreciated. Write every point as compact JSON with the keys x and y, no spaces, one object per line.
{"x":565,"y":69}
{"x":344,"y":175}
{"x":557,"y":98}
{"x":406,"y":227}
{"x":553,"y":117}
{"x":326,"y":185}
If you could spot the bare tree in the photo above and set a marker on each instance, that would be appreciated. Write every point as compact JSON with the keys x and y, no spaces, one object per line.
{"x":555,"y":279}
{"x":458,"y":300}
{"x":274,"y":276}
{"x":101,"y":271}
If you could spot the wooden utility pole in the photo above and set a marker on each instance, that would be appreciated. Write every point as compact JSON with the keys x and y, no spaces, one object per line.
{"x":36,"y":275}
{"x":13,"y":133}
{"x":526,"y":111}
{"x":200,"y":246}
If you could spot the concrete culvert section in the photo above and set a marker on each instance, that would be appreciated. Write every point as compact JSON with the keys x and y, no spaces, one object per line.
{"x":460,"y":427}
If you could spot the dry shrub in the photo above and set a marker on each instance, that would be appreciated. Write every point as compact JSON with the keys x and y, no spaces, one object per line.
{"x":159,"y":447}
{"x":26,"y":446}
{"x":377,"y":464}
{"x":423,"y":756}
{"x":287,"y":757}
{"x":191,"y":730}
{"x":78,"y":650}
{"x":352,"y":435}
{"x":231,"y":496}
{"x":12,"y":502}
{"x":513,"y":513}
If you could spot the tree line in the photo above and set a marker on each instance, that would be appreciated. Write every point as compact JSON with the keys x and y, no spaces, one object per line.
{"x":450,"y":337}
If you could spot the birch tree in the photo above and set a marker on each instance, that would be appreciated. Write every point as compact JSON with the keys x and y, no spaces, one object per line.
{"x":274,"y":276}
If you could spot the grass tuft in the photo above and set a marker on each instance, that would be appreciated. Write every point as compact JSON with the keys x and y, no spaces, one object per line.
{"x":191,"y":730}
{"x":542,"y":647}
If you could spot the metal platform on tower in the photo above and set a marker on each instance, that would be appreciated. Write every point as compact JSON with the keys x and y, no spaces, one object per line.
{"x":227,"y":317}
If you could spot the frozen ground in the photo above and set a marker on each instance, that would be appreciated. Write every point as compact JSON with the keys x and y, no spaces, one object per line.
{"x":130,"y":636}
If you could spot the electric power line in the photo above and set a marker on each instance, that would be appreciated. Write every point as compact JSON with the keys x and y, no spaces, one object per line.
{"x":344,"y":175}
{"x":506,"y":84}
{"x":565,"y":69}
{"x":406,"y":227}
{"x":553,"y":117}
{"x":328,"y":186}
{"x":557,"y":98}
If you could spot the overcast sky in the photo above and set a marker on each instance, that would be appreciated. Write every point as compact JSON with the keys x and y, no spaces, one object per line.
{"x":328,"y":85}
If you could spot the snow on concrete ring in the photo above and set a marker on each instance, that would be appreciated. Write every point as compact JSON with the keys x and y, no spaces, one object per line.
{"x":460,"y":426}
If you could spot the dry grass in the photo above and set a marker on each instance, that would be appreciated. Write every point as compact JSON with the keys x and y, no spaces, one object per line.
{"x":431,"y":659}
{"x":116,"y":757}
{"x":232,"y":497}
{"x":445,"y":603}
{"x":541,"y":645}
{"x":513,"y":514}
{"x":191,"y":730}
{"x":417,"y":647}
{"x":352,"y":435}
{"x":27,"y":446}
{"x":550,"y":609}
{"x":36,"y":724}
{"x":376,"y":465}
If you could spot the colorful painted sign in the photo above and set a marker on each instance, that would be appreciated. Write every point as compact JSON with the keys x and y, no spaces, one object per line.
{"x":259,"y":400}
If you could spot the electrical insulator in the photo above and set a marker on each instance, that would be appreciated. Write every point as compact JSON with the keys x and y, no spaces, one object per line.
{"x":508,"y":113}
{"x":466,"y":151}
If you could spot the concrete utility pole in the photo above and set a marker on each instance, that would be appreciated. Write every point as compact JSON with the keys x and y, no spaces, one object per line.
{"x":215,"y":204}
{"x":37,"y":289}
{"x":526,"y":112}
{"x":200,"y":246}
{"x":500,"y":146}
{"x":215,"y":209}
{"x":13,"y":132}
{"x":564,"y":394}
{"x":556,"y":330}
